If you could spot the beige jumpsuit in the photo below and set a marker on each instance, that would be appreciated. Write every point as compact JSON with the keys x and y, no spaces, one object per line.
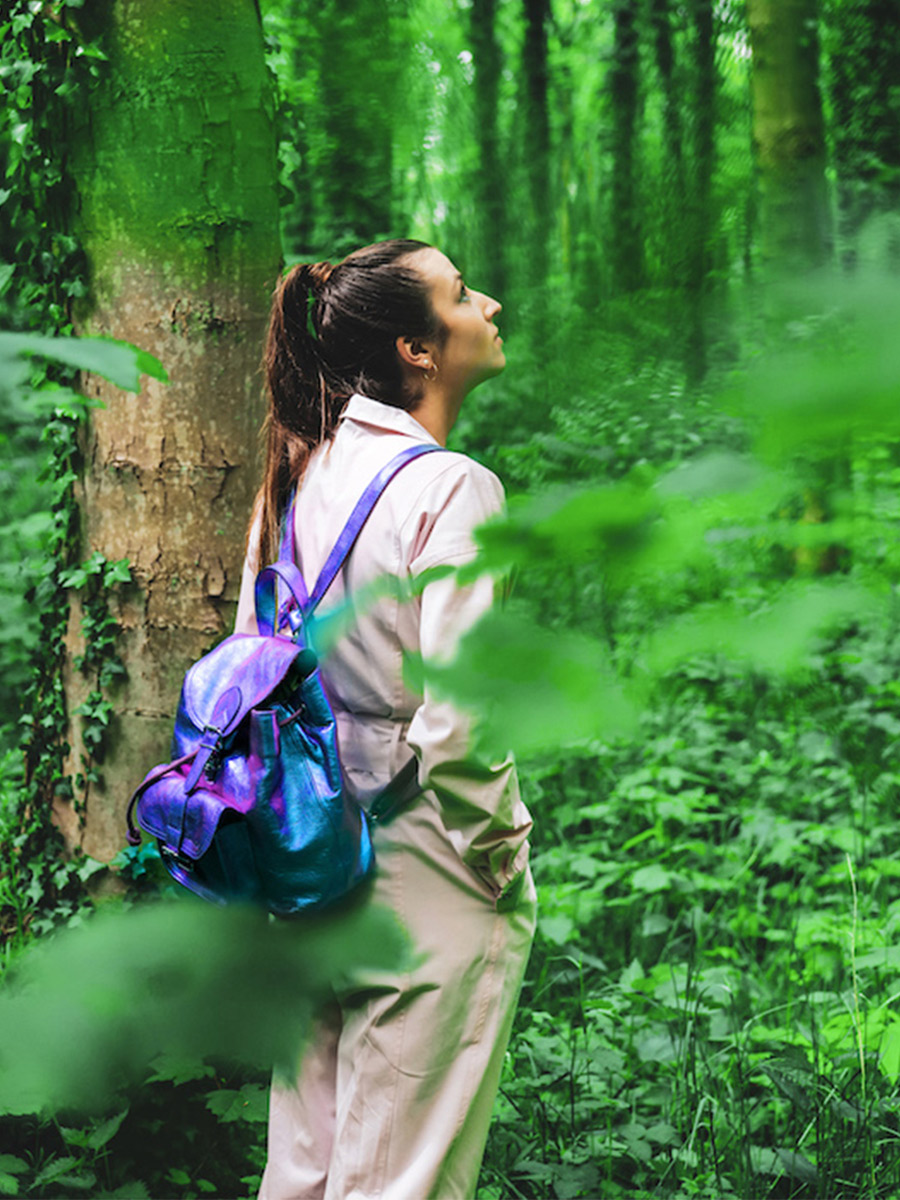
{"x":395,"y":1093}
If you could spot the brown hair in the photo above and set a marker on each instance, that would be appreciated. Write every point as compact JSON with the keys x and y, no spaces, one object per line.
{"x":332,"y":332}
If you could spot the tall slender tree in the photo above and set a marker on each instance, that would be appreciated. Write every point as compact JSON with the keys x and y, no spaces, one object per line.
{"x":672,"y":101}
{"x":173,"y":154}
{"x":864,"y":70}
{"x":490,"y":186}
{"x":537,"y":139}
{"x":356,"y":107}
{"x":789,"y":134}
{"x":625,"y":243}
{"x":700,"y":221}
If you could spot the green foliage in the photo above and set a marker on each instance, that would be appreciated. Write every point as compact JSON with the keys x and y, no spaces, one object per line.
{"x":85,"y":1012}
{"x":718,"y":908}
{"x":38,"y":889}
{"x":44,"y":64}
{"x":169,"y":995}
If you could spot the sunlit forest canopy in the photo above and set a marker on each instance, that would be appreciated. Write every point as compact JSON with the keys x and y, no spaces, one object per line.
{"x":691,"y":215}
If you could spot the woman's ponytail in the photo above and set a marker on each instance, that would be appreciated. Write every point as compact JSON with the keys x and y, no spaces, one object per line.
{"x":302,"y":411}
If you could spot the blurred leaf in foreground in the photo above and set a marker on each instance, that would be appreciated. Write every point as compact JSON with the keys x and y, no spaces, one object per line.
{"x":568,"y":526}
{"x":119,"y":362}
{"x":777,"y":637}
{"x":535,"y":690}
{"x":840,"y":376}
{"x":85,"y":1012}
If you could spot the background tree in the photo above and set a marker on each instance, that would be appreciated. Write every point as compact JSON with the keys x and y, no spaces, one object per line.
{"x":789,"y":134}
{"x":540,"y":235}
{"x":490,"y":183}
{"x":626,"y":250}
{"x":863,"y":40}
{"x":174,"y":159}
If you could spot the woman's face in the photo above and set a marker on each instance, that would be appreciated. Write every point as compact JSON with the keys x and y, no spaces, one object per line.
{"x":472,"y":350}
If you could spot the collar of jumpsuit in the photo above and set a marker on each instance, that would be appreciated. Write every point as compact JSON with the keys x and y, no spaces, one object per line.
{"x":367,"y":411}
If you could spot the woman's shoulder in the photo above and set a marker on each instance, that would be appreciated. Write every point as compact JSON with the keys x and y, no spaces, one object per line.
{"x":450,"y":476}
{"x":445,"y":501}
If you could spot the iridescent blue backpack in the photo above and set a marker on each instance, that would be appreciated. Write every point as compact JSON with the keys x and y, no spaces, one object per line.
{"x":252,"y":807}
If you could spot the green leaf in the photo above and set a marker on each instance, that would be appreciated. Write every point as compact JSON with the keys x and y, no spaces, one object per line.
{"x":99,"y":1136}
{"x":777,"y":637}
{"x":135,"y":1189}
{"x":83,"y":1182}
{"x":251,"y":1103}
{"x":169,"y":1068}
{"x":567,"y":525}
{"x":9,"y":1185}
{"x":557,"y":929}
{"x":652,"y":878}
{"x":12,"y":1165}
{"x":119,"y":362}
{"x":53,"y":1170}
{"x":889,"y":1058}
{"x":95,"y":1005}
{"x":117,"y":572}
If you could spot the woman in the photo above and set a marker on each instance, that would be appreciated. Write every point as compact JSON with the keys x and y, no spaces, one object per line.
{"x":363,"y":359}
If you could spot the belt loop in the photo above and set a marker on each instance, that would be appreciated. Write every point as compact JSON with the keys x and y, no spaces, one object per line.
{"x":398,"y":736}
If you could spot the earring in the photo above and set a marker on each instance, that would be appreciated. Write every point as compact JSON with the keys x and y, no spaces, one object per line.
{"x":431,"y":371}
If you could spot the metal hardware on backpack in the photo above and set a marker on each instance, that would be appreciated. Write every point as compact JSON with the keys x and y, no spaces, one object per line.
{"x":252,"y":806}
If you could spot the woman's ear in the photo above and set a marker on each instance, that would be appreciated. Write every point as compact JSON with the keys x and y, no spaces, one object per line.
{"x":414,"y":353}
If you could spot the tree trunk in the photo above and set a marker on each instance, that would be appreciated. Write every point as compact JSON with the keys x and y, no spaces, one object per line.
{"x":625,"y":249}
{"x":537,"y":140}
{"x":673,"y":166}
{"x":489,"y":190}
{"x":864,"y":67}
{"x":789,"y":135}
{"x":700,"y":206}
{"x":173,"y":155}
{"x":358,"y":98}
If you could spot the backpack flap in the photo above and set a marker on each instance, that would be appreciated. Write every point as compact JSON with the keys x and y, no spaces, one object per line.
{"x":227,"y":709}
{"x":245,"y":668}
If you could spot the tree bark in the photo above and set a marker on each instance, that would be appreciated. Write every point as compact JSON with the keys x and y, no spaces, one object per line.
{"x":789,"y":135}
{"x":173,"y":155}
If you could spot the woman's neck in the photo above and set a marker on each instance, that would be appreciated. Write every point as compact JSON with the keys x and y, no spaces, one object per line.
{"x":437,"y":411}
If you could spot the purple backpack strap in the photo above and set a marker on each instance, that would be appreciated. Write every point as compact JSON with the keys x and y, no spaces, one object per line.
{"x":268,"y":603}
{"x":340,"y":550}
{"x":360,"y":515}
